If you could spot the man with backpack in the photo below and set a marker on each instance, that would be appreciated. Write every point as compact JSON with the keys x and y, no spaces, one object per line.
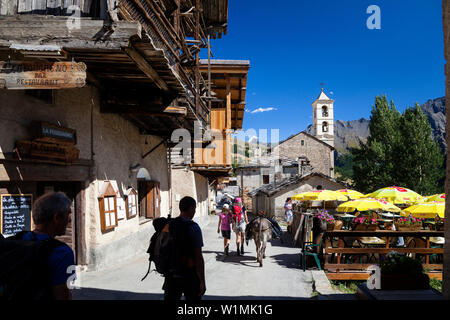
{"x":186,"y":274}
{"x":34,"y":265}
{"x":239,"y":221}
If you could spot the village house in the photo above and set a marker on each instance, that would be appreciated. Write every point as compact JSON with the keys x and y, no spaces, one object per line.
{"x":91,"y":111}
{"x":298,"y":155}
{"x":271,"y":197}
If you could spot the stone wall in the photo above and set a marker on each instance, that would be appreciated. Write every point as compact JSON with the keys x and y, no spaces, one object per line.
{"x":117,"y":144}
{"x":274,"y":205}
{"x":319,"y":155}
{"x":446,"y":271}
{"x":189,"y":183}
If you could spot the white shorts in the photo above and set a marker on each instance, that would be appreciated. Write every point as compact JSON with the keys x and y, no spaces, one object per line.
{"x":239,"y":228}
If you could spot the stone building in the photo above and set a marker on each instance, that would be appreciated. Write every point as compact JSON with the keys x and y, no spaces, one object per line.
{"x":271,"y":197}
{"x":102,"y":131}
{"x":298,"y":155}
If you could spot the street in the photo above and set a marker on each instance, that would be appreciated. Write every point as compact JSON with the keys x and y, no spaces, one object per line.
{"x":227,"y":277}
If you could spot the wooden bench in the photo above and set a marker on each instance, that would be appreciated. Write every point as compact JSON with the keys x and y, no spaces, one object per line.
{"x":358,"y":271}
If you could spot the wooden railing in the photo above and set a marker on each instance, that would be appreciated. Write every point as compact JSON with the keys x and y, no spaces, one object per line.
{"x":339,"y":270}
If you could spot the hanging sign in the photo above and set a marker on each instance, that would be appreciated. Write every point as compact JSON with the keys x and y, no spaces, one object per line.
{"x":42,"y":75}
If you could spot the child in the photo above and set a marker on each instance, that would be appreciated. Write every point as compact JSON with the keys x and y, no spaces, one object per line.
{"x":224,"y":226}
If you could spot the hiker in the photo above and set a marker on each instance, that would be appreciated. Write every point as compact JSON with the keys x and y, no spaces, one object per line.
{"x":187,"y":276}
{"x":288,"y":214}
{"x":239,"y":221}
{"x":224,"y":225}
{"x":51,"y":215}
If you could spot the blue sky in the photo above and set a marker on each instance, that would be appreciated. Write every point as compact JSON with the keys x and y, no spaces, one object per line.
{"x":294,"y":45}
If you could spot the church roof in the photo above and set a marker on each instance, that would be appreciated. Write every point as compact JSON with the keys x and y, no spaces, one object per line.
{"x":323,"y":96}
{"x":308,"y":135}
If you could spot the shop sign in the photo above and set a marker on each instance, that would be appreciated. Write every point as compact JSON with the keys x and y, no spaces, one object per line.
{"x":42,"y":75}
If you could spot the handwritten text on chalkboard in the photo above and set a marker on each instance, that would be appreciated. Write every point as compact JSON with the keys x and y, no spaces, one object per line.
{"x":16,"y":213}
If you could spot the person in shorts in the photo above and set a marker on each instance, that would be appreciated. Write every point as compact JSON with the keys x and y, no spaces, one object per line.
{"x":224,"y":226}
{"x":288,"y":213}
{"x":239,"y":222}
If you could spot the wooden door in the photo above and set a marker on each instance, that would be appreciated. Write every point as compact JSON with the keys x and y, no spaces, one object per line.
{"x":71,"y":189}
{"x":149,"y":199}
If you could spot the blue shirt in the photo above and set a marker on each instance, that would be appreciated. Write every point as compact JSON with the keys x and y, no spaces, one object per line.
{"x":59,"y":260}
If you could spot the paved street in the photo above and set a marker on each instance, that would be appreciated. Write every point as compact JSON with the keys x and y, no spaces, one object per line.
{"x":232,"y":277}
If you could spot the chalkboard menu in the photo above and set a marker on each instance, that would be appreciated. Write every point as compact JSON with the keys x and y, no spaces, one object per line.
{"x":15,"y":213}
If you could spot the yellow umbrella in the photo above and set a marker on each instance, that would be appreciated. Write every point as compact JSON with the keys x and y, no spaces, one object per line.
{"x":325,"y":195}
{"x":436,"y":197}
{"x":300,"y":196}
{"x":426,"y":210}
{"x":364,"y":204}
{"x":351,"y":194}
{"x":396,"y":195}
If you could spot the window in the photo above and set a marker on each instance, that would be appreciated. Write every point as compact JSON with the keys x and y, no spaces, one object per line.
{"x":107,"y":202}
{"x":324,"y":111}
{"x":302,"y":142}
{"x":265,"y":179}
{"x":131,"y":203}
{"x":325,"y":127}
{"x":319,"y":187}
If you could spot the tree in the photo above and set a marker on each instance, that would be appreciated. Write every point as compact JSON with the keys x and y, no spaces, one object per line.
{"x":399,"y":151}
{"x":420,"y":161}
{"x":374,"y":161}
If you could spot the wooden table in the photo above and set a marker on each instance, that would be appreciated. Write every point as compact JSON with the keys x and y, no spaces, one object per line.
{"x":356,"y":271}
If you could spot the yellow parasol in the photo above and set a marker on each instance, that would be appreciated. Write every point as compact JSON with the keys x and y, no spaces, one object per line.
{"x":364,"y":204}
{"x":324,"y":195}
{"x":440,"y":197}
{"x":425,"y":210}
{"x":396,"y":195}
{"x":351,"y":194}
{"x":300,"y":196}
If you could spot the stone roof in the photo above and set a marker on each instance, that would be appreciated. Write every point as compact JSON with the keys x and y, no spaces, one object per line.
{"x":274,"y":187}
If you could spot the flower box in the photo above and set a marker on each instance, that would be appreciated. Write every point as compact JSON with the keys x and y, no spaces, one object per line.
{"x":400,"y":227}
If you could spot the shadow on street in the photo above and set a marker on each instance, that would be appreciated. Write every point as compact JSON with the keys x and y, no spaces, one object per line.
{"x":102,"y":294}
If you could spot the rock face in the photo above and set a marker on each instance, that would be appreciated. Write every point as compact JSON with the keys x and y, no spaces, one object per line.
{"x":350,"y":133}
{"x":435,"y":112}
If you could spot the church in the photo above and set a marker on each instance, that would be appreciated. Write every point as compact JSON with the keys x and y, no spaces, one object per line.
{"x":302,"y":162}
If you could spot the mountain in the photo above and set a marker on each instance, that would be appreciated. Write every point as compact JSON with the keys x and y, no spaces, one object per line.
{"x":350,"y":133}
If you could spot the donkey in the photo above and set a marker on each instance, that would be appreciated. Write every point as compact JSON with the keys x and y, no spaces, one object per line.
{"x":261,"y":232}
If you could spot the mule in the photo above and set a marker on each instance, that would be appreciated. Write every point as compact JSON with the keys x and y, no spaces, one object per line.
{"x":261,"y":232}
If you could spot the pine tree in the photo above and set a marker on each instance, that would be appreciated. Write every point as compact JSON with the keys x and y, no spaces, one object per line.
{"x":420,"y":164}
{"x":374,"y":161}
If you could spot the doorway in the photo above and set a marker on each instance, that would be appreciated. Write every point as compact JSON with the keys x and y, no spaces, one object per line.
{"x":149,"y":199}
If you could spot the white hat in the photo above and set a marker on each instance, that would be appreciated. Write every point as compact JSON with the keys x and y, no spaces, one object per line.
{"x":226,"y":206}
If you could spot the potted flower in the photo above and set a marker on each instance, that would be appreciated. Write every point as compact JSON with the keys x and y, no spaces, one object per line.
{"x":326,"y":220}
{"x":365,"y":223}
{"x":408,"y":224}
{"x":400,"y":272}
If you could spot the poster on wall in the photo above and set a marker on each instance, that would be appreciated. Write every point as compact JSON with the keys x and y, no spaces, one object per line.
{"x":121,"y":214}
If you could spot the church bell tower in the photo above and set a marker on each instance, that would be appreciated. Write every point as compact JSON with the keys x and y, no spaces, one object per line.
{"x":323,"y":125}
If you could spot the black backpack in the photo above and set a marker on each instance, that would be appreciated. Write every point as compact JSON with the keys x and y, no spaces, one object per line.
{"x":168,"y":246}
{"x":24,"y":274}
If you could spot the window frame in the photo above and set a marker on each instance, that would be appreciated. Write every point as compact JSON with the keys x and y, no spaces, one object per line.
{"x":108,"y":193}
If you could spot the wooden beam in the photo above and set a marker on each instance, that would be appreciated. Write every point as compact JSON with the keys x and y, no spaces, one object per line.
{"x":23,"y":29}
{"x":146,"y":68}
{"x":228,"y":102}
